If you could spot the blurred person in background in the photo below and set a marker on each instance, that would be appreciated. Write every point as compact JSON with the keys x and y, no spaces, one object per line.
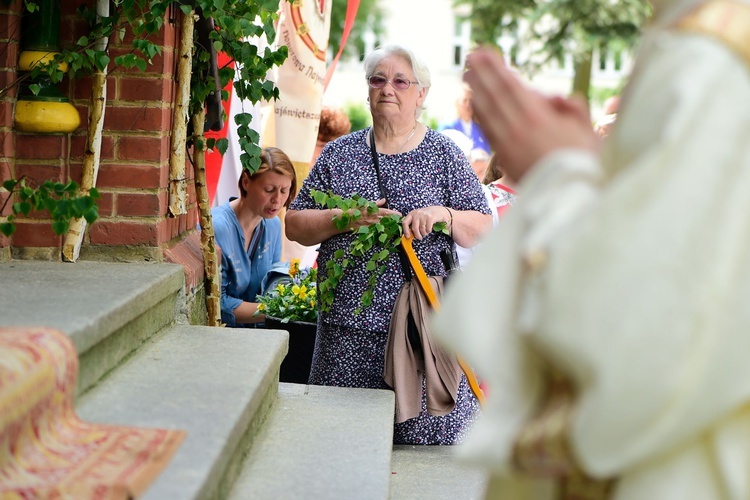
{"x":502,"y":191}
{"x":604,"y":125}
{"x":465,"y":123}
{"x":334,"y":123}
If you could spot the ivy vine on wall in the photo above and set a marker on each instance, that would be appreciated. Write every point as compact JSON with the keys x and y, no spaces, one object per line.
{"x":239,"y":27}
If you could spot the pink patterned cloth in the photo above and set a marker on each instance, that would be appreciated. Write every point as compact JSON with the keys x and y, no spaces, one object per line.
{"x":46,"y":451}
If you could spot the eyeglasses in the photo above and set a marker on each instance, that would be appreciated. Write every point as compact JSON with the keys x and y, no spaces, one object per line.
{"x":378,"y":82}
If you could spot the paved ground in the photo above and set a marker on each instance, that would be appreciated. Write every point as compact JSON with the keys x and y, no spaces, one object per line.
{"x":432,"y":473}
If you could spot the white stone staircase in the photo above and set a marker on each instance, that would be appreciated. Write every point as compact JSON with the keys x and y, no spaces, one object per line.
{"x":248,"y":437}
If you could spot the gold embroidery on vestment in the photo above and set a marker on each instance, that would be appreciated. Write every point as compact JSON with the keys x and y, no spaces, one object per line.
{"x":725,"y":20}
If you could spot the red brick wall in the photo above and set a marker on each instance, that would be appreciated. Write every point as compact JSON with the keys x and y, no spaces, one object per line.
{"x":10,"y":36}
{"x":133,"y":177}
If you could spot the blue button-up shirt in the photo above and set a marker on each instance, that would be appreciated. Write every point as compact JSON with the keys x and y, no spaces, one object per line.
{"x":243,"y":270}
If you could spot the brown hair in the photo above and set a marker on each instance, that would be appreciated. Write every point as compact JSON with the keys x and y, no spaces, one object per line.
{"x":333,"y":124}
{"x":493,"y":170}
{"x":277,"y":161}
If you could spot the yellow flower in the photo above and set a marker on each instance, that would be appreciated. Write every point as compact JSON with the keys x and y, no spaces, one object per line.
{"x":294,"y":268}
{"x":294,"y":301}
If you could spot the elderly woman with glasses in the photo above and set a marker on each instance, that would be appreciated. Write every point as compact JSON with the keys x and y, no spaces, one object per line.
{"x":420,"y":174}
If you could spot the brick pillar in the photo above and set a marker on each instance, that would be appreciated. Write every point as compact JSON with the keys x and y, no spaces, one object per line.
{"x":133,"y":175}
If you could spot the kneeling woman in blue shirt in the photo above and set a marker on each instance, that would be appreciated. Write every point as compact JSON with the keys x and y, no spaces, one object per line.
{"x":248,"y":231}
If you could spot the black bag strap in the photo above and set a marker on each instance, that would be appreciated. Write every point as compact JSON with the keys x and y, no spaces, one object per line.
{"x":405,"y":266}
{"x":375,"y":162}
{"x":259,"y":230}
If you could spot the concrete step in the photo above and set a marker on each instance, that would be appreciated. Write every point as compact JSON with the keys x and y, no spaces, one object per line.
{"x":218,"y":384}
{"x":107,"y":309}
{"x":432,"y":472}
{"x":322,"y":443}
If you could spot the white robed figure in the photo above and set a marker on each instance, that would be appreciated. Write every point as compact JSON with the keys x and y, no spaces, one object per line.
{"x":623,"y":275}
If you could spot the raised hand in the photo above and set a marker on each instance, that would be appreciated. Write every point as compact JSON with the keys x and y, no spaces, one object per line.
{"x":522,"y":125}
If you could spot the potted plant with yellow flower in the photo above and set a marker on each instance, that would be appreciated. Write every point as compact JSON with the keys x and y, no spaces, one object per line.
{"x":291,"y":304}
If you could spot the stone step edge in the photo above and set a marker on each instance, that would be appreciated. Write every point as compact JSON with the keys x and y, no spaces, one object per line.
{"x":435,"y":472}
{"x":218,"y":384}
{"x":107,"y":309}
{"x":322,"y":442}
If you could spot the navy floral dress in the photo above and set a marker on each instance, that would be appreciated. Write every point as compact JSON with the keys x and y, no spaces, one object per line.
{"x":350,"y":348}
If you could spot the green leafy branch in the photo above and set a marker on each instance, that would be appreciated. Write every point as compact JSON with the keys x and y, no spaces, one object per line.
{"x":239,"y":24}
{"x":142,"y":17}
{"x":60,"y":200}
{"x":378,"y":240}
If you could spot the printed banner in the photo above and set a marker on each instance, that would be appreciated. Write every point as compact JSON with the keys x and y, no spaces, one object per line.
{"x":304,"y":28}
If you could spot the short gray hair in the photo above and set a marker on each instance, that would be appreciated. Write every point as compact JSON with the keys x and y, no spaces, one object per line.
{"x":420,"y":69}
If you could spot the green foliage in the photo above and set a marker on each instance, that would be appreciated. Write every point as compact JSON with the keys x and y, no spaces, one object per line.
{"x":60,"y":200}
{"x":359,"y":114}
{"x":579,"y":26}
{"x":294,"y":300}
{"x":601,"y":94}
{"x":430,"y":121}
{"x":374,"y":242}
{"x":491,"y":19}
{"x":141,"y":17}
{"x":555,"y":28}
{"x":238,"y":23}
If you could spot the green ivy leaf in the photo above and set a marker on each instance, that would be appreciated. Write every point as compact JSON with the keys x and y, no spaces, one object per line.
{"x":342,"y":222}
{"x":243,"y":119}
{"x":60,"y":226}
{"x":7,"y":228}
{"x":102,"y":62}
{"x":23,"y":207}
{"x":91,"y":214}
{"x":50,"y":205}
{"x":82,"y":205}
{"x":222,"y":145}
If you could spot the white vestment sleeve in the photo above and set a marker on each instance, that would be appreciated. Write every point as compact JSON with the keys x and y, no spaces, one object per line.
{"x":644,"y":301}
{"x":479,"y":304}
{"x":636,"y":288}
